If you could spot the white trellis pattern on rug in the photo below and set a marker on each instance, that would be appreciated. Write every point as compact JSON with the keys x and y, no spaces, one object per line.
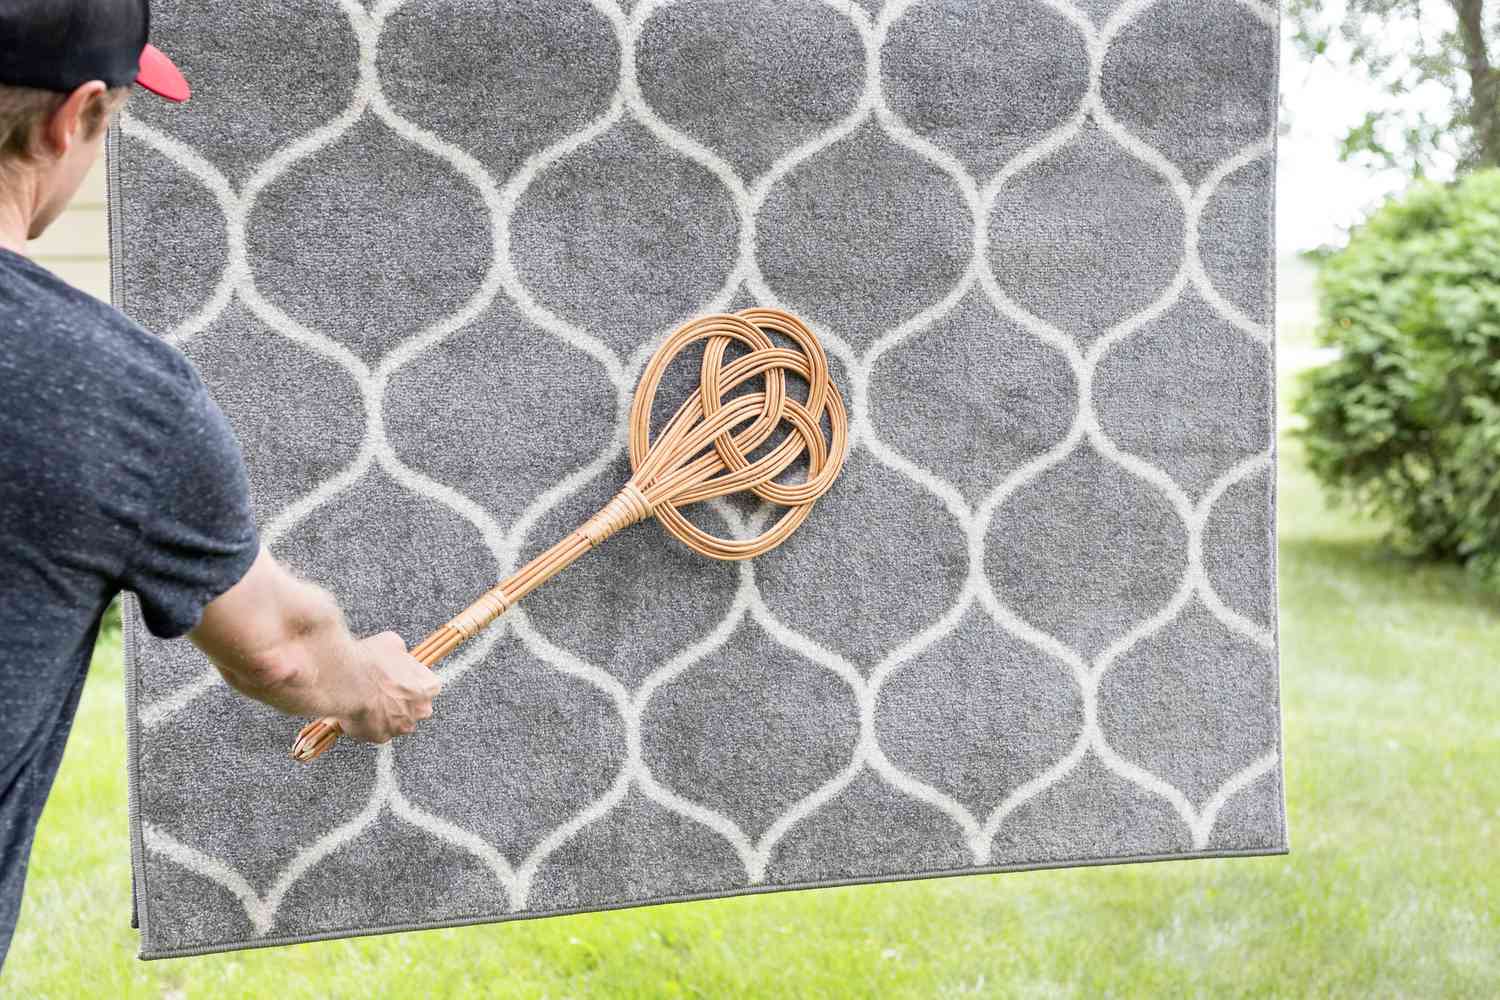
{"x":973,"y":512}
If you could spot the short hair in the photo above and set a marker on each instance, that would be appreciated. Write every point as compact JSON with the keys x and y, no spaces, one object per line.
{"x":25,"y":110}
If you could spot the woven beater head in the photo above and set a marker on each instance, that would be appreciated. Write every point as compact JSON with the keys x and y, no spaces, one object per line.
{"x":703,"y":450}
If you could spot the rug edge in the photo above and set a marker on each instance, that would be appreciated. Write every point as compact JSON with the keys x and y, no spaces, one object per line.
{"x":129,"y":622}
{"x":373,"y":930}
{"x":114,"y":151}
{"x":1274,"y":499}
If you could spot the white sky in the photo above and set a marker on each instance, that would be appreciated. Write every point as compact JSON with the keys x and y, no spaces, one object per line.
{"x":1317,"y":196}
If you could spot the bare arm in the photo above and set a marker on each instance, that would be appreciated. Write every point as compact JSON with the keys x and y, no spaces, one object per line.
{"x":283,"y":641}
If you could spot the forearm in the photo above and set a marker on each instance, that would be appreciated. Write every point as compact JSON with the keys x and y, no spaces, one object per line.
{"x":283,"y":641}
{"x":295,"y":654}
{"x":312,"y":670}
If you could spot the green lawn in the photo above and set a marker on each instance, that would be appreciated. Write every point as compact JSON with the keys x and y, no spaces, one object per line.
{"x":1391,"y":682}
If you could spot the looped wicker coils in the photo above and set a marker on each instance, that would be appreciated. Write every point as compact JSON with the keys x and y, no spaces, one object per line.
{"x":701,"y":453}
{"x":671,"y":477}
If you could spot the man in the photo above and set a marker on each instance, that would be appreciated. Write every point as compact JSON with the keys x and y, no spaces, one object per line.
{"x":117,"y":472}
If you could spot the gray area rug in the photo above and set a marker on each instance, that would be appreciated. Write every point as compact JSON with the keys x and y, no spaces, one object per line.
{"x":1034,"y":624}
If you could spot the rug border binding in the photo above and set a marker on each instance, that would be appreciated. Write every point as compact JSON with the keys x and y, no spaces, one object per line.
{"x":748,"y":890}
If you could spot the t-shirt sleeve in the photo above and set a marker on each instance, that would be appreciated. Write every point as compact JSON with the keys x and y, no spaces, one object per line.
{"x":198,"y":536}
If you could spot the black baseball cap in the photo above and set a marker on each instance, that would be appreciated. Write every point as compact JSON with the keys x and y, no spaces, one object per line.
{"x":61,"y":44}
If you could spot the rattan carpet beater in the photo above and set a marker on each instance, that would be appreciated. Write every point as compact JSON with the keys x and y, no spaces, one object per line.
{"x":699,"y":455}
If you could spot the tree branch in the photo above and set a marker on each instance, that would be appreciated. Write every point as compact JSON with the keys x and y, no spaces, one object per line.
{"x":1484,"y":84}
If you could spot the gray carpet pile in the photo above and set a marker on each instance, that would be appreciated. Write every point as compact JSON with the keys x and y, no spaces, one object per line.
{"x":420,"y":250}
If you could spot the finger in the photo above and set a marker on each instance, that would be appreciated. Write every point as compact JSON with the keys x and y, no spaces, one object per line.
{"x":354,"y":731}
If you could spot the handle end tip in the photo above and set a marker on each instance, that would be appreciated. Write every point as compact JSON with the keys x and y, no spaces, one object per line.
{"x":314,"y":739}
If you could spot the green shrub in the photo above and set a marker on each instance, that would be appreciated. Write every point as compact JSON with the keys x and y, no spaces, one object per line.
{"x":1405,"y":425}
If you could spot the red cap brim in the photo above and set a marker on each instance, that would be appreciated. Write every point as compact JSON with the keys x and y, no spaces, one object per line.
{"x":160,"y":75}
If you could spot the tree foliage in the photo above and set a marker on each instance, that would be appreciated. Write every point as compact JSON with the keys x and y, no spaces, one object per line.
{"x":1404,"y":45}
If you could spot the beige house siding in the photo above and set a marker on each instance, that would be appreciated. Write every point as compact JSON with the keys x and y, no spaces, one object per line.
{"x":76,"y":246}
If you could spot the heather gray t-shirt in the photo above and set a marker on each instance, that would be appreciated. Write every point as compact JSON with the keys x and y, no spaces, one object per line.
{"x":117,"y":472}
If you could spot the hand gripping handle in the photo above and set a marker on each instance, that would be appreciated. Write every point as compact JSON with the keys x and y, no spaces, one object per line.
{"x":319,"y":735}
